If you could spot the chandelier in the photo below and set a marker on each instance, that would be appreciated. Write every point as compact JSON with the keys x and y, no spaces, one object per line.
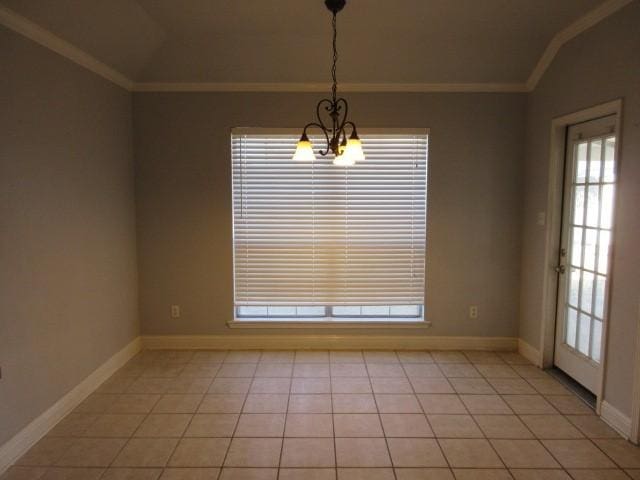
{"x":334,"y":112}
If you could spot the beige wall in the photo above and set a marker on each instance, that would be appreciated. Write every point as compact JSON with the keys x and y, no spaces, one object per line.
{"x":184,"y":201}
{"x":68,"y":287}
{"x":600,"y":65}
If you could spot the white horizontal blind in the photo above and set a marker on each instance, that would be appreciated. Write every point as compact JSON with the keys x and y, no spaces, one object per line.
{"x":320,"y":234}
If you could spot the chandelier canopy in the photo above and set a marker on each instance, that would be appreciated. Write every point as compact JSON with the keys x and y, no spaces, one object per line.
{"x":331,"y":114}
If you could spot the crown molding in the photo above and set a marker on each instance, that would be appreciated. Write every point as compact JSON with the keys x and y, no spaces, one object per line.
{"x":32,"y":31}
{"x":583,"y":23}
{"x":324,"y":87}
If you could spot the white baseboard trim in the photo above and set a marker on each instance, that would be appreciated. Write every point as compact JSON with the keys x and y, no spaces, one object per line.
{"x":530,"y":353}
{"x":310,"y":342}
{"x":615,"y":419}
{"x":14,"y":448}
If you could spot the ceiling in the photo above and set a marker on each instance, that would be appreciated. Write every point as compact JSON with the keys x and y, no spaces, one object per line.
{"x":288,"y":41}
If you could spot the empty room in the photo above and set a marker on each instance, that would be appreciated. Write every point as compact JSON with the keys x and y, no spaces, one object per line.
{"x":319,"y":239}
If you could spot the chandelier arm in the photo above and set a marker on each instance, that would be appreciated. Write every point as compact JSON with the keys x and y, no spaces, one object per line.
{"x":326,"y":135}
{"x":341,"y":126}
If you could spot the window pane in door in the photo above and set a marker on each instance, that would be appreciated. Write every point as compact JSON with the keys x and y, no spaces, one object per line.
{"x":596,"y":340}
{"x":574,"y":287}
{"x":598,"y":309}
{"x":591,"y":239}
{"x":578,"y":206}
{"x":593,"y":205}
{"x":586,"y":293}
{"x":584,"y":333}
{"x":595,"y":161}
{"x":581,"y":164}
{"x":603,"y":251}
{"x":607,"y":206}
{"x":609,"y":160}
{"x":572,"y":323}
{"x":576,"y":247}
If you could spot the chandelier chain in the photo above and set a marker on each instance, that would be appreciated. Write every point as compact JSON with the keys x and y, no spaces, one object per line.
{"x":334,"y":88}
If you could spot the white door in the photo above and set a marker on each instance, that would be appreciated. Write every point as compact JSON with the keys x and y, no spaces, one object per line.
{"x":584,"y":264}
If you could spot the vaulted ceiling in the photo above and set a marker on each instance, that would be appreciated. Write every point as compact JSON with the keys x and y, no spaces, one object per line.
{"x":272,"y":41}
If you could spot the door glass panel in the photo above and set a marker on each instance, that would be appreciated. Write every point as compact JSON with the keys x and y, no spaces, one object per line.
{"x":586,"y":293}
{"x":598,"y":308}
{"x":591,"y":240}
{"x":574,"y":287}
{"x":595,"y":152}
{"x":581,"y":167}
{"x":609,"y":160}
{"x":607,"y":206}
{"x":576,"y":247}
{"x":603,"y":251}
{"x":593,"y":205}
{"x":596,"y":339}
{"x":584,"y":333}
{"x":572,"y":324}
{"x":578,"y":206}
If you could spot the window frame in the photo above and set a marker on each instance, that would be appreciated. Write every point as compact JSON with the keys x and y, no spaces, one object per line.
{"x":329,"y":320}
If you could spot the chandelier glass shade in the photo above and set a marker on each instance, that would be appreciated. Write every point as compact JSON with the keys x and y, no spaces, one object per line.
{"x":340,"y":133}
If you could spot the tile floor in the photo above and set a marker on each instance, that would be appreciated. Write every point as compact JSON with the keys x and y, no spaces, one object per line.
{"x":318,"y":415}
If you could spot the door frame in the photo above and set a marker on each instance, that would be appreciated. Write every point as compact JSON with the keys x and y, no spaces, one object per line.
{"x":558,"y":145}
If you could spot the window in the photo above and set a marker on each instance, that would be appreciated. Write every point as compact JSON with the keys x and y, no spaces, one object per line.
{"x":318,"y":242}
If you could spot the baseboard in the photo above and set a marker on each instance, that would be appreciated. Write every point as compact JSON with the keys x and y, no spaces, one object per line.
{"x":13,"y":449}
{"x":317,"y":342}
{"x":615,"y":419}
{"x":530,"y":353}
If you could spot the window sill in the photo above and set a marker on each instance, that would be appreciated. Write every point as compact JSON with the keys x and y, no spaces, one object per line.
{"x":330,"y":324}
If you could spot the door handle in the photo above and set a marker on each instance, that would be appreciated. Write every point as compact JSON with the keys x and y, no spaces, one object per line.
{"x":561,"y":269}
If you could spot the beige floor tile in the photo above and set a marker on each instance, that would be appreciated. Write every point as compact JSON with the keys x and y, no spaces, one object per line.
{"x":548,"y":386}
{"x":476,"y":386}
{"x":97,"y":403}
{"x":307,"y":474}
{"x":536,"y":474}
{"x":608,"y":474}
{"x":316,"y":403}
{"x":380,"y":356}
{"x":149,"y":385}
{"x":391,"y":385}
{"x":190,"y":474}
{"x":354,"y":403}
{"x":73,"y":425}
{"x":577,"y":454}
{"x":513,"y":358}
{"x":237,"y":370}
{"x":459,"y":370}
{"x":524,"y":454}
{"x":311,"y":370}
{"x":230,"y":385}
{"x":497,"y":371}
{"x":310,"y":385}
{"x":385,"y":370}
{"x":163,"y":370}
{"x":502,"y":426}
{"x":529,"y":404}
{"x":569,"y":405}
{"x":351,"y":385}
{"x":260,"y":425}
{"x":480,"y":357}
{"x":592,"y":426}
{"x":278,"y":356}
{"x":441,"y":404}
{"x":199,"y":452}
{"x":423,"y":474}
{"x":416,"y":452}
{"x":422,"y":370}
{"x":346,"y":356}
{"x":485,"y":404}
{"x":24,"y":473}
{"x":215,"y":356}
{"x":200,"y":370}
{"x":270,"y":385}
{"x":454,"y":426}
{"x":188,"y":385}
{"x":431,"y":385}
{"x":365,"y":474}
{"x":443,"y":357}
{"x":274,"y":370}
{"x":307,"y":356}
{"x":266,"y":403}
{"x":551,"y":426}
{"x":120,"y":425}
{"x":132,"y":474}
{"x":212,"y":425}
{"x":625,"y":454}
{"x":134,"y":403}
{"x":243,"y":356}
{"x":399,"y":403}
{"x":362,"y":452}
{"x":511,"y":386}
{"x":348,"y":370}
{"x":146,"y":452}
{"x":414,"y":357}
{"x":254,"y":452}
{"x":249,"y":474}
{"x":221,"y":403}
{"x":46,"y":452}
{"x":635,"y":474}
{"x":405,"y":425}
{"x":92,"y":452}
{"x":164,"y":425}
{"x":529,"y":371}
{"x":308,"y":452}
{"x":357,"y":425}
{"x":309,"y":425}
{"x":66,"y":473}
{"x":482,"y":474}
{"x":178,"y":403}
{"x":470,"y":453}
